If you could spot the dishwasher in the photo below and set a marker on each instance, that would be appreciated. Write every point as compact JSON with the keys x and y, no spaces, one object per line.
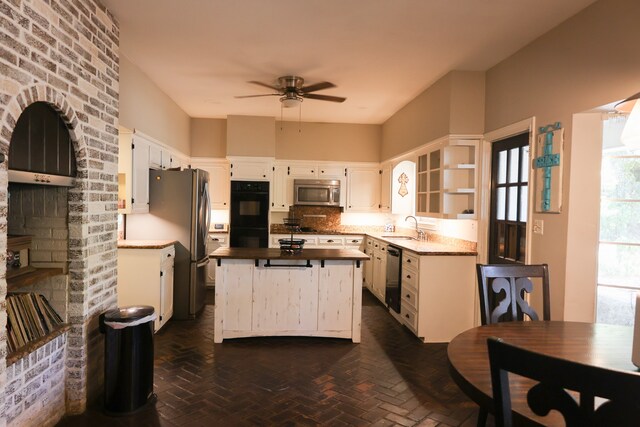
{"x":394,"y":275}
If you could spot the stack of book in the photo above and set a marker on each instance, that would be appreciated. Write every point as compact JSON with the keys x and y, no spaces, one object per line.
{"x":30,"y":316}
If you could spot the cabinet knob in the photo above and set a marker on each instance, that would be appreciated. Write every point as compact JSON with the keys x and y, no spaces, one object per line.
{"x":408,"y":276}
{"x":406,"y":315}
{"x":168,"y":255}
{"x":215,"y":239}
{"x":321,"y":171}
{"x":408,"y":261}
{"x":408,"y":296}
{"x":354,"y":241}
{"x":330,"y":241}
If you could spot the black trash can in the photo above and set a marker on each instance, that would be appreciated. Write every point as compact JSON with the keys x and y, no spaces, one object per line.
{"x":128,"y":358}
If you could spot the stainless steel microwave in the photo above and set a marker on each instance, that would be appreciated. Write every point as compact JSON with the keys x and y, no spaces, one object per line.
{"x":316,"y":192}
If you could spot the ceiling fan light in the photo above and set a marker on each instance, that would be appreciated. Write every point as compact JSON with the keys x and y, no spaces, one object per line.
{"x":289,"y":102}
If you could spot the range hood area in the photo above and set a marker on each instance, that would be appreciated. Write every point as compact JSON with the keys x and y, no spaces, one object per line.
{"x":41,"y":150}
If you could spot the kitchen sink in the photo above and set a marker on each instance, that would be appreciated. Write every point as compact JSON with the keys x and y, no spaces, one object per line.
{"x":399,"y":237}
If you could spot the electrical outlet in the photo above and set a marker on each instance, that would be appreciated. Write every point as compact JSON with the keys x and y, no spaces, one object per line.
{"x":538,"y":226}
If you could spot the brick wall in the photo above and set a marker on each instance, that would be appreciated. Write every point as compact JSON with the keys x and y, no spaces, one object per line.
{"x":65,"y":53}
{"x":35,"y":386}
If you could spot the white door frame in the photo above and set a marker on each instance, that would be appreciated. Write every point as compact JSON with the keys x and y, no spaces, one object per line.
{"x":526,"y":125}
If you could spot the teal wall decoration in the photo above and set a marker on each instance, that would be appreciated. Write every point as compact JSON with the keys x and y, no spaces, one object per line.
{"x":548,"y":168}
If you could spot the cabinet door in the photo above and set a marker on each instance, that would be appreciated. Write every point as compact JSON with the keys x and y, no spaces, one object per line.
{"x":279,"y":186}
{"x":251,"y":170}
{"x":331,"y":171}
{"x":379,"y":274}
{"x":363,"y":192}
{"x":235,"y":298}
{"x":155,"y":157}
{"x":140,"y":176}
{"x":368,"y":268}
{"x":219,"y":181}
{"x":166,"y":293}
{"x":385,"y":189}
{"x":335,"y":296}
{"x":285,"y":299}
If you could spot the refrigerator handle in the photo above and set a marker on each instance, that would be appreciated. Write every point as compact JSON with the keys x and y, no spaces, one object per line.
{"x":202,"y":263}
{"x":207,"y":207}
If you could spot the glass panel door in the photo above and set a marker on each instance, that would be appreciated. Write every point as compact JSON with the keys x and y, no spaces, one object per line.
{"x":509,"y":200}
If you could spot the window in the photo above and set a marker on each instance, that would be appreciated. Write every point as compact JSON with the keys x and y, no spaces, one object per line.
{"x":619,"y":245}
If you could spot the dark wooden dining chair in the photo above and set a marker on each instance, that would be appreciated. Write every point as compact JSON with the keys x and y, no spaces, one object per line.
{"x":553,"y":378}
{"x":513,"y":280}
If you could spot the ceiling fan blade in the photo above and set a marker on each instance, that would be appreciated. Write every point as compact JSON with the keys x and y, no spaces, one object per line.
{"x":324,"y":97}
{"x":317,"y":86}
{"x":255,"y":96}
{"x":263,"y":84}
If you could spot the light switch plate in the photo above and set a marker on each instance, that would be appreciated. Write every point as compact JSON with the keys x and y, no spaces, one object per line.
{"x":538,"y":226}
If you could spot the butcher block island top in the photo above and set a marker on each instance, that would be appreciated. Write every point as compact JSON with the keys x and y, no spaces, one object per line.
{"x":264,"y":292}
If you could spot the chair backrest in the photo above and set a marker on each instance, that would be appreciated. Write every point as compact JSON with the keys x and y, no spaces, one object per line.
{"x":513,"y":280}
{"x":554,"y":377}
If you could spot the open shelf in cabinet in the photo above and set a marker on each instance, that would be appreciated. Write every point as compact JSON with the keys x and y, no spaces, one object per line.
{"x":34,"y":275}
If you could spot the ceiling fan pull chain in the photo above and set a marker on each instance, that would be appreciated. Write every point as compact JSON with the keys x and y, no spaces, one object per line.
{"x":281,"y":116}
{"x":300,"y":118}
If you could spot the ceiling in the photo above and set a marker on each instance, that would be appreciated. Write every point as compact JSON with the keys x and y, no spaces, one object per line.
{"x":379,"y":53}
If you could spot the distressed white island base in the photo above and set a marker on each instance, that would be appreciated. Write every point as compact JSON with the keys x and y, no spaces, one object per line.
{"x":261,"y":292}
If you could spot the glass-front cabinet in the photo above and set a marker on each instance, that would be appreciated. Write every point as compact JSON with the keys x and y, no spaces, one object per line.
{"x":447,"y":178}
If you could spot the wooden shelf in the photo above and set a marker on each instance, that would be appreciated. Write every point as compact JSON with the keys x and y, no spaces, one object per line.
{"x":31,"y":346}
{"x":31,"y":277}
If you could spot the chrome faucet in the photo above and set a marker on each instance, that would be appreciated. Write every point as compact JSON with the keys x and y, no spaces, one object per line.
{"x":420,"y":233}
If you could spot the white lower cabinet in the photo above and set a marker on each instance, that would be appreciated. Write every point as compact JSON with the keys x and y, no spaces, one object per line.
{"x":367,"y":272}
{"x":438,"y":295}
{"x":379,"y":270}
{"x":145,"y":277}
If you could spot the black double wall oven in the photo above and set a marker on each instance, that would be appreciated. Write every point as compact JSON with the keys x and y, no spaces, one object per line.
{"x":249,"y":214}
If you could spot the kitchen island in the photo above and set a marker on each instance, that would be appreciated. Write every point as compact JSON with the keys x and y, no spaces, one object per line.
{"x":264,"y":292}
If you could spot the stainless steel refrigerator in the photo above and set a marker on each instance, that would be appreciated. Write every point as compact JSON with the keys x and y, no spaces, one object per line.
{"x":179,"y":209}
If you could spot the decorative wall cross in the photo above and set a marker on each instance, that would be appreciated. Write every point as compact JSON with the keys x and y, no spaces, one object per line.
{"x":546,"y":161}
{"x":403,"y":179}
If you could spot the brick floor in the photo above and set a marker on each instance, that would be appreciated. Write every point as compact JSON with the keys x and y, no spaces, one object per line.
{"x":389,"y":379}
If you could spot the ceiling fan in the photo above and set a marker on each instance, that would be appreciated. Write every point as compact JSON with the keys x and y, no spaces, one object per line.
{"x":292,"y":91}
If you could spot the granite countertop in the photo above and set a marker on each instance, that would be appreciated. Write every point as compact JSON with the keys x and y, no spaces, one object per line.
{"x":423,"y":247}
{"x":274,"y":253}
{"x":145,"y":244}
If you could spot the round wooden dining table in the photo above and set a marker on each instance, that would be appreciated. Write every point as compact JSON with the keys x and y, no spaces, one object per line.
{"x":607,"y":346}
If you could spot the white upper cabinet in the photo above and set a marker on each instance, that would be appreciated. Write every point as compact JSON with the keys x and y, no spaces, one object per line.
{"x":251,"y":168}
{"x":385,"y":188}
{"x":219,"y":180}
{"x":363,"y":189}
{"x":285,"y":172}
{"x":447,"y":178}
{"x":155,"y":157}
{"x":140,"y":175}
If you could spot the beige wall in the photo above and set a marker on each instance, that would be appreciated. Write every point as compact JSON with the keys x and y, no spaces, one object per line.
{"x":588,"y":61}
{"x":143,"y":106}
{"x":251,"y":136}
{"x":208,"y":137}
{"x":328,"y":141}
{"x":452,"y":105}
{"x":583,"y":222}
